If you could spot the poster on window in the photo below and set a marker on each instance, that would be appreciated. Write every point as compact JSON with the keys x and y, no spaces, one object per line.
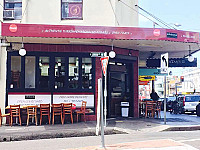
{"x":75,"y":10}
{"x":75,"y":99}
{"x":29,"y":99}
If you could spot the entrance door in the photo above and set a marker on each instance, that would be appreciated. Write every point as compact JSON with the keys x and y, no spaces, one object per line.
{"x":119,"y":87}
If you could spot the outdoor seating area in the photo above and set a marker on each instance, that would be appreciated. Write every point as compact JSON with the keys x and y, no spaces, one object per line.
{"x":45,"y":113}
{"x":150,"y":109}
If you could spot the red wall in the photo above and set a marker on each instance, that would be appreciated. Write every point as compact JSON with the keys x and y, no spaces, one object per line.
{"x":98,"y":71}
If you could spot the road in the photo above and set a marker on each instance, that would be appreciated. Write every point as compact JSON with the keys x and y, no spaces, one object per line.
{"x":188,"y":137}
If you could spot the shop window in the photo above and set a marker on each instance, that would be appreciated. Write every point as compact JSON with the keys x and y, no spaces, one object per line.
{"x":30,"y":72}
{"x":44,"y":72}
{"x":15,"y":72}
{"x":12,"y":9}
{"x":59,"y":72}
{"x":86,"y":73}
{"x":72,"y":9}
{"x":73,"y":72}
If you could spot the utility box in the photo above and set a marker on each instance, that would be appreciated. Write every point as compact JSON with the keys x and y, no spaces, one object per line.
{"x":125,"y":109}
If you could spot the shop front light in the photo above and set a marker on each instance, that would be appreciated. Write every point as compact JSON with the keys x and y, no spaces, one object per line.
{"x":22,"y":52}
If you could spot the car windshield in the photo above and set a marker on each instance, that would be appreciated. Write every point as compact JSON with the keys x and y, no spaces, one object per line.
{"x":192,"y":98}
{"x":171,"y":98}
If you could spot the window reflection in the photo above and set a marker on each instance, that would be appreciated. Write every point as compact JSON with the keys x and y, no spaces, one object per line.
{"x":59,"y":72}
{"x":15,"y":72}
{"x":86,"y":73}
{"x":44,"y":72}
{"x":73,"y":72}
{"x":30,"y":72}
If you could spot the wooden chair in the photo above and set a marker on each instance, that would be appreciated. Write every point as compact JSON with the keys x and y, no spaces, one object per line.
{"x":157,"y":108}
{"x":81,"y":111}
{"x":16,"y":78}
{"x":15,"y":113}
{"x":56,"y":111}
{"x":149,"y":109}
{"x":44,"y":111}
{"x":4,"y":115}
{"x":67,"y":110}
{"x":32,"y":113}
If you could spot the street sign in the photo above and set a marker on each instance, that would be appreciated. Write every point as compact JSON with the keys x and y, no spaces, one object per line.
{"x":150,"y":72}
{"x":173,"y":62}
{"x":96,"y":54}
{"x":146,"y":78}
{"x":104,"y":64}
{"x":164,"y":63}
{"x":143,"y":82}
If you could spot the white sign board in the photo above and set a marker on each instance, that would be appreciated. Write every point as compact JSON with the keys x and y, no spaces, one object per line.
{"x":75,"y":99}
{"x":164,"y":63}
{"x":28,"y":99}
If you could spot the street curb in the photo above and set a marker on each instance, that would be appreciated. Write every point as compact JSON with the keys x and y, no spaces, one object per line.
{"x":49,"y":135}
{"x":183,"y":128}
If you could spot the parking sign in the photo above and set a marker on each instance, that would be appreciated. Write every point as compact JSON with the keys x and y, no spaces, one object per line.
{"x":164,"y":63}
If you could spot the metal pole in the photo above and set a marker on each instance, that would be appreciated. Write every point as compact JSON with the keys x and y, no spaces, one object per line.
{"x":105,"y":95}
{"x":98,"y":107}
{"x":164,"y":99}
{"x":102,"y":122}
{"x":105,"y":98}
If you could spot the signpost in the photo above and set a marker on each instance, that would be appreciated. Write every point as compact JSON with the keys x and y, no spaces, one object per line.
{"x":104,"y":64}
{"x":164,"y":69}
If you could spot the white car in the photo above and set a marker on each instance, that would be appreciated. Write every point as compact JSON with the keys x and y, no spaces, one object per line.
{"x":190,"y":102}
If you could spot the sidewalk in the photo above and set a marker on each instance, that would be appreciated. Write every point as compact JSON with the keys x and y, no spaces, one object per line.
{"x":114,"y":126}
{"x":165,"y":144}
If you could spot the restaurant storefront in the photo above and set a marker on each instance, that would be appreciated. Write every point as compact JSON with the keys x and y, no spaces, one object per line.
{"x":58,"y":67}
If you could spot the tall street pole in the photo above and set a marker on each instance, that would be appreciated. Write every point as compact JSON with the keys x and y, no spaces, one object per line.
{"x":102,"y":121}
{"x":165,"y":100}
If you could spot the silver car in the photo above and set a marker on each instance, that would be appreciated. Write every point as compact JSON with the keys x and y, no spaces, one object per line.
{"x":190,"y":102}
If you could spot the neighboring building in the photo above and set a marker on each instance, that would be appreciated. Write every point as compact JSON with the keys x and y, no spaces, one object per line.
{"x":191,"y":81}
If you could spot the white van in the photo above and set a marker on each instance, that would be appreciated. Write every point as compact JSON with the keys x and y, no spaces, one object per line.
{"x":190,"y":102}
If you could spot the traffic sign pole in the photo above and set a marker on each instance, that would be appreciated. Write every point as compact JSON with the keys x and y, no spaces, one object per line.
{"x":164,"y":61}
{"x":165,"y":102}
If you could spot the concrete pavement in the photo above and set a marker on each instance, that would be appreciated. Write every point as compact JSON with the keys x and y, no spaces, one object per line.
{"x":114,"y":126}
{"x":164,"y":144}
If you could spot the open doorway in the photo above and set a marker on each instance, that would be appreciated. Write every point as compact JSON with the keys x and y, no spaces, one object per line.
{"x":120,"y":87}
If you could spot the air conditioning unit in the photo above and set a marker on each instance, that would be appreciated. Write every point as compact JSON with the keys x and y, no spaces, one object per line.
{"x":8,"y":14}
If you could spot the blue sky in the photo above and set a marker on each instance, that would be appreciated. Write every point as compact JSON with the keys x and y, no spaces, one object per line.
{"x":184,"y":12}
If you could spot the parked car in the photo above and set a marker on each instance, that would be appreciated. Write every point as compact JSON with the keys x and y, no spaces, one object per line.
{"x":189,"y":102}
{"x":169,"y":101}
{"x":198,"y":110}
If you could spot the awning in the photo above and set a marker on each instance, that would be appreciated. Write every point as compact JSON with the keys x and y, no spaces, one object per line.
{"x":146,"y":40}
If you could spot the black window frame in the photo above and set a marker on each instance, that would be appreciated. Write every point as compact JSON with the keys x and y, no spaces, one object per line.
{"x":51,"y":88}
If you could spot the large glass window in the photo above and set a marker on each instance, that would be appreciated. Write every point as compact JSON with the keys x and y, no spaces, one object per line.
{"x":86,"y":73}
{"x":44,"y":72}
{"x":72,"y":9}
{"x":59,"y":72}
{"x":50,"y":72}
{"x":15,"y":72}
{"x":30,"y":72}
{"x":73,"y":72}
{"x":13,"y":9}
